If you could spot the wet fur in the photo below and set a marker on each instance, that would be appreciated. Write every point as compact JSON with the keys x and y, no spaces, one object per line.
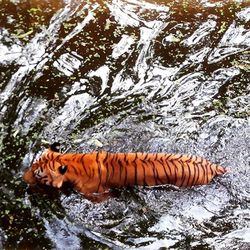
{"x":98,"y":172}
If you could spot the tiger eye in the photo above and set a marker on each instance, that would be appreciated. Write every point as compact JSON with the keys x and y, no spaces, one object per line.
{"x":62,"y":169}
{"x":55,"y":147}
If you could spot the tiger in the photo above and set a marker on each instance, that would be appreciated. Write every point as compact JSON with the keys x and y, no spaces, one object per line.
{"x":100,"y":172}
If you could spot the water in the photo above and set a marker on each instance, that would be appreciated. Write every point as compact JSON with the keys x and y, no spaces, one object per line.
{"x":123,"y":76}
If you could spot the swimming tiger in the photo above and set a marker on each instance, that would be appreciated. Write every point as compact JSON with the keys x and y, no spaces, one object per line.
{"x":98,"y":172}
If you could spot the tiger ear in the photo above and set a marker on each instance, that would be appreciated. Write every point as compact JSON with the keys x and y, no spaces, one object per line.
{"x":55,"y":147}
{"x":62,"y":169}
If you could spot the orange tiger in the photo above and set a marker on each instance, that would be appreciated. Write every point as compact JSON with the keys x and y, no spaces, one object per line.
{"x":98,"y":172}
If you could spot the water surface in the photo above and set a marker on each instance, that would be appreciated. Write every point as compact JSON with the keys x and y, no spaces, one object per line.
{"x":122,"y":76}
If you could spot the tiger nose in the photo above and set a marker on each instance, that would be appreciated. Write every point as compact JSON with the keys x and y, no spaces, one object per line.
{"x":57,"y":183}
{"x":28,"y":177}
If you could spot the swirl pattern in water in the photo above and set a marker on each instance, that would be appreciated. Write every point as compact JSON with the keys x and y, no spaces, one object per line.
{"x":123,"y":76}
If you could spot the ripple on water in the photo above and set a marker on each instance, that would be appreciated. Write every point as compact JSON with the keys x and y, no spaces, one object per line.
{"x":130,"y":76}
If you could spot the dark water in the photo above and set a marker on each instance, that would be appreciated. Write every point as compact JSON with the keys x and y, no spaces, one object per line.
{"x":158,"y":76}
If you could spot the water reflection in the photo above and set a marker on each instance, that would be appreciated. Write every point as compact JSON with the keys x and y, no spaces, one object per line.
{"x":126,"y":76}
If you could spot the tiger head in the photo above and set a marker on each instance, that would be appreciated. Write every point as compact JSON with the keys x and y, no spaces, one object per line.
{"x":47,"y":170}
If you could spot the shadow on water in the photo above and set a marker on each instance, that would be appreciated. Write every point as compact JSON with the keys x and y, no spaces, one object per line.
{"x":126,"y":75}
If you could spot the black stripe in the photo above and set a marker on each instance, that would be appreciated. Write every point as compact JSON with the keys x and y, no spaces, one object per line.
{"x":42,"y":167}
{"x":75,"y":170}
{"x":170,"y":171}
{"x":112,"y":166}
{"x":155,"y":157}
{"x":126,"y":166}
{"x":219,"y":170}
{"x":194,"y":175}
{"x":189,"y":173}
{"x":156,"y":170}
{"x":167,"y":156}
{"x":183,"y":173}
{"x":193,"y":180}
{"x":198,"y":173}
{"x":73,"y":157}
{"x":43,"y":177}
{"x":200,"y":168}
{"x":189,"y":159}
{"x":121,"y":168}
{"x":106,"y":157}
{"x":152,"y":163}
{"x":84,"y":167}
{"x":135,"y":169}
{"x":144,"y":174}
{"x":99,"y":171}
{"x":105,"y":163}
{"x":146,"y":156}
{"x":208,"y":166}
{"x":158,"y":177}
{"x":165,"y":171}
{"x":51,"y":164}
{"x":175,"y":170}
{"x":195,"y":158}
{"x":204,"y":168}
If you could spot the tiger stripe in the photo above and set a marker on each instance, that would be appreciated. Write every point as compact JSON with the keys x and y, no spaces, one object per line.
{"x":144,"y":172}
{"x":189,"y":184}
{"x":106,"y":168}
{"x":163,"y":167}
{"x":100,"y":171}
{"x":81,"y":161}
{"x":135,"y":170}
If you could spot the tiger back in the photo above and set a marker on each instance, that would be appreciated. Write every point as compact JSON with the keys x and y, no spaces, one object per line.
{"x":98,"y":172}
